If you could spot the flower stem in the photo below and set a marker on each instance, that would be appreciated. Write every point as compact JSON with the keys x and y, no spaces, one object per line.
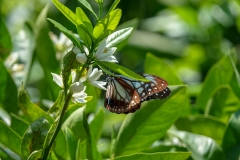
{"x":59,"y":123}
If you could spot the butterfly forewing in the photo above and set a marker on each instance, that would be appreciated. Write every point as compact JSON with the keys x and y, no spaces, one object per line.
{"x":125,"y":95}
{"x":121,"y":97}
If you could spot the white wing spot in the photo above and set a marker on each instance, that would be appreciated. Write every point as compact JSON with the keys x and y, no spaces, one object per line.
{"x":149,"y":89}
{"x":155,"y":88}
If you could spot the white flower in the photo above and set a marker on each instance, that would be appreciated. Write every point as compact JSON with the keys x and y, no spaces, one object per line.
{"x":77,"y":88}
{"x":57,"y":79}
{"x":104,"y":53}
{"x":61,"y":44}
{"x":79,"y":97}
{"x":92,"y":77}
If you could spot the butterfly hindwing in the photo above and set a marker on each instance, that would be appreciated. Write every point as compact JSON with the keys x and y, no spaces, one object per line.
{"x":125,"y":95}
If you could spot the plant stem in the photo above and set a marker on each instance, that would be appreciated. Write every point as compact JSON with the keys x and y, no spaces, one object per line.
{"x":59,"y":123}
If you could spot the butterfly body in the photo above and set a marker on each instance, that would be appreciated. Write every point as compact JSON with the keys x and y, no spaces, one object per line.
{"x":125,"y":95}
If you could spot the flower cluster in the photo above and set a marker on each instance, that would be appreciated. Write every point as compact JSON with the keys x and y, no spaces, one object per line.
{"x":103,"y":53}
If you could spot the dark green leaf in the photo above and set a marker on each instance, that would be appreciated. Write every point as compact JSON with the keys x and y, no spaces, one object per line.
{"x":113,"y":143}
{"x":154,"y":65}
{"x":221,"y":73}
{"x":203,"y":125}
{"x":9,"y":138}
{"x":222,"y":103}
{"x":107,"y":25}
{"x":118,"y":37}
{"x":34,"y":137}
{"x":55,"y":110}
{"x":5,"y":40}
{"x":202,"y":147}
{"x":46,"y":55}
{"x":88,"y":6}
{"x":31,"y":110}
{"x":151,"y":156}
{"x":18,"y":124}
{"x":231,"y":140}
{"x":71,"y":143}
{"x":67,"y":33}
{"x":122,"y":70}
{"x":141,"y":129}
{"x":97,"y":124}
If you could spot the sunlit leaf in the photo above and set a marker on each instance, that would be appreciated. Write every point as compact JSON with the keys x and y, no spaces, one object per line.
{"x":141,"y":129}
{"x":36,"y":155}
{"x":34,"y":137}
{"x":84,"y":30}
{"x":154,"y":65}
{"x":122,"y":70}
{"x":201,"y":147}
{"x":55,"y":110}
{"x":107,"y":25}
{"x":114,"y":5}
{"x":4,"y":116}
{"x":162,"y":156}
{"x":67,"y":12}
{"x":231,"y":140}
{"x":88,"y":6}
{"x":113,"y":143}
{"x":114,"y":39}
{"x":9,"y":138}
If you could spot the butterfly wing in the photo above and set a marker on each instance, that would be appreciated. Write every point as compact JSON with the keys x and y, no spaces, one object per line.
{"x":121,"y":97}
{"x":125,"y":95}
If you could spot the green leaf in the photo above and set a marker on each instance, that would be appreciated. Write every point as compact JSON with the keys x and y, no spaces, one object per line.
{"x":67,"y":33}
{"x":221,"y":73}
{"x":118,"y":37}
{"x":83,"y":149}
{"x":114,"y":5}
{"x":9,"y":138}
{"x":85,"y":29}
{"x":95,"y":93}
{"x":166,"y":147}
{"x":34,"y":137}
{"x":67,"y":12}
{"x":141,"y":129}
{"x":154,"y":65}
{"x":201,"y":147}
{"x":46,"y":55}
{"x":203,"y":125}
{"x":71,"y":143}
{"x":78,"y":150}
{"x":122,"y":70}
{"x":18,"y":124}
{"x":5,"y":40}
{"x":36,"y":155}
{"x":55,"y":110}
{"x":31,"y":110}
{"x":222,"y":103}
{"x":75,"y":123}
{"x":88,"y":6}
{"x":97,"y":124}
{"x":113,"y":143}
{"x":162,"y":156}
{"x":107,"y":25}
{"x":231,"y":140}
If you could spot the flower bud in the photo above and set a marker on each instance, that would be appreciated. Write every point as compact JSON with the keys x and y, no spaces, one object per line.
{"x":77,"y":87}
{"x":76,"y":50}
{"x":81,"y":58}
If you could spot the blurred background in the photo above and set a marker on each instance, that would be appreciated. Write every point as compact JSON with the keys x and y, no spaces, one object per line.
{"x":188,"y":35}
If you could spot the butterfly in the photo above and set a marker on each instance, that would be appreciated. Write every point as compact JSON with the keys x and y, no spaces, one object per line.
{"x":125,"y":95}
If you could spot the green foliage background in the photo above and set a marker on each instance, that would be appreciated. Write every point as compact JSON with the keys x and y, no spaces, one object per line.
{"x":192,"y":44}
